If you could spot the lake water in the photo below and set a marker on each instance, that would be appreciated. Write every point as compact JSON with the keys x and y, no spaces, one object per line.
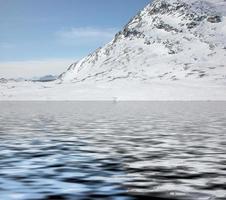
{"x":117,"y":151}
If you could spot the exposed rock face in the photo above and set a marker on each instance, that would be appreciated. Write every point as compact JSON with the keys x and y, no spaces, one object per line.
{"x":3,"y":80}
{"x":214,"y":19}
{"x":168,"y":40}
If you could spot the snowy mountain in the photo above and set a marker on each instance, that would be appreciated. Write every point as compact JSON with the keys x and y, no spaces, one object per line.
{"x":171,"y":50}
{"x":168,"y":40}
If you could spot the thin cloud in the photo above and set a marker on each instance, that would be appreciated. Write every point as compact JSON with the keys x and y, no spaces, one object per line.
{"x":86,"y":35}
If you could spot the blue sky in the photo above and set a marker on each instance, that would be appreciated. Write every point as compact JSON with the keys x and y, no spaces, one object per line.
{"x":64,"y":30}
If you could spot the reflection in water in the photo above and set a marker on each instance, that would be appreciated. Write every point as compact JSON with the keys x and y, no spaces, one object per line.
{"x":166,"y":150}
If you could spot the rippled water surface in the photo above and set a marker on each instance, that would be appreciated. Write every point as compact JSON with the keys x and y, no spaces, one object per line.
{"x":118,"y":151}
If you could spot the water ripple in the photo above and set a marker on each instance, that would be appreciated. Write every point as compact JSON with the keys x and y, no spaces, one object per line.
{"x":126,"y":151}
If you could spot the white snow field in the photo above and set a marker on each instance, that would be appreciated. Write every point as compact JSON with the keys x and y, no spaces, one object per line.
{"x":171,"y":50}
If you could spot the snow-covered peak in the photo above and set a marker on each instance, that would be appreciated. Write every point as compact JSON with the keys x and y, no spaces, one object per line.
{"x":216,"y":5}
{"x":168,"y":40}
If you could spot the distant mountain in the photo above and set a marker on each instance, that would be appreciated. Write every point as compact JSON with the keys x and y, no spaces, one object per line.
{"x":168,"y":40}
{"x":46,"y":78}
{"x":4,"y":80}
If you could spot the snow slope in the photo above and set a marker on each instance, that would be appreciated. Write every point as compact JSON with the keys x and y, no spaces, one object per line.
{"x":168,"y":40}
{"x":171,"y":50}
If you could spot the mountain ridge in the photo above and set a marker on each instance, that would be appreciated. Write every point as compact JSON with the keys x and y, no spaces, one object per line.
{"x":166,"y":22}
